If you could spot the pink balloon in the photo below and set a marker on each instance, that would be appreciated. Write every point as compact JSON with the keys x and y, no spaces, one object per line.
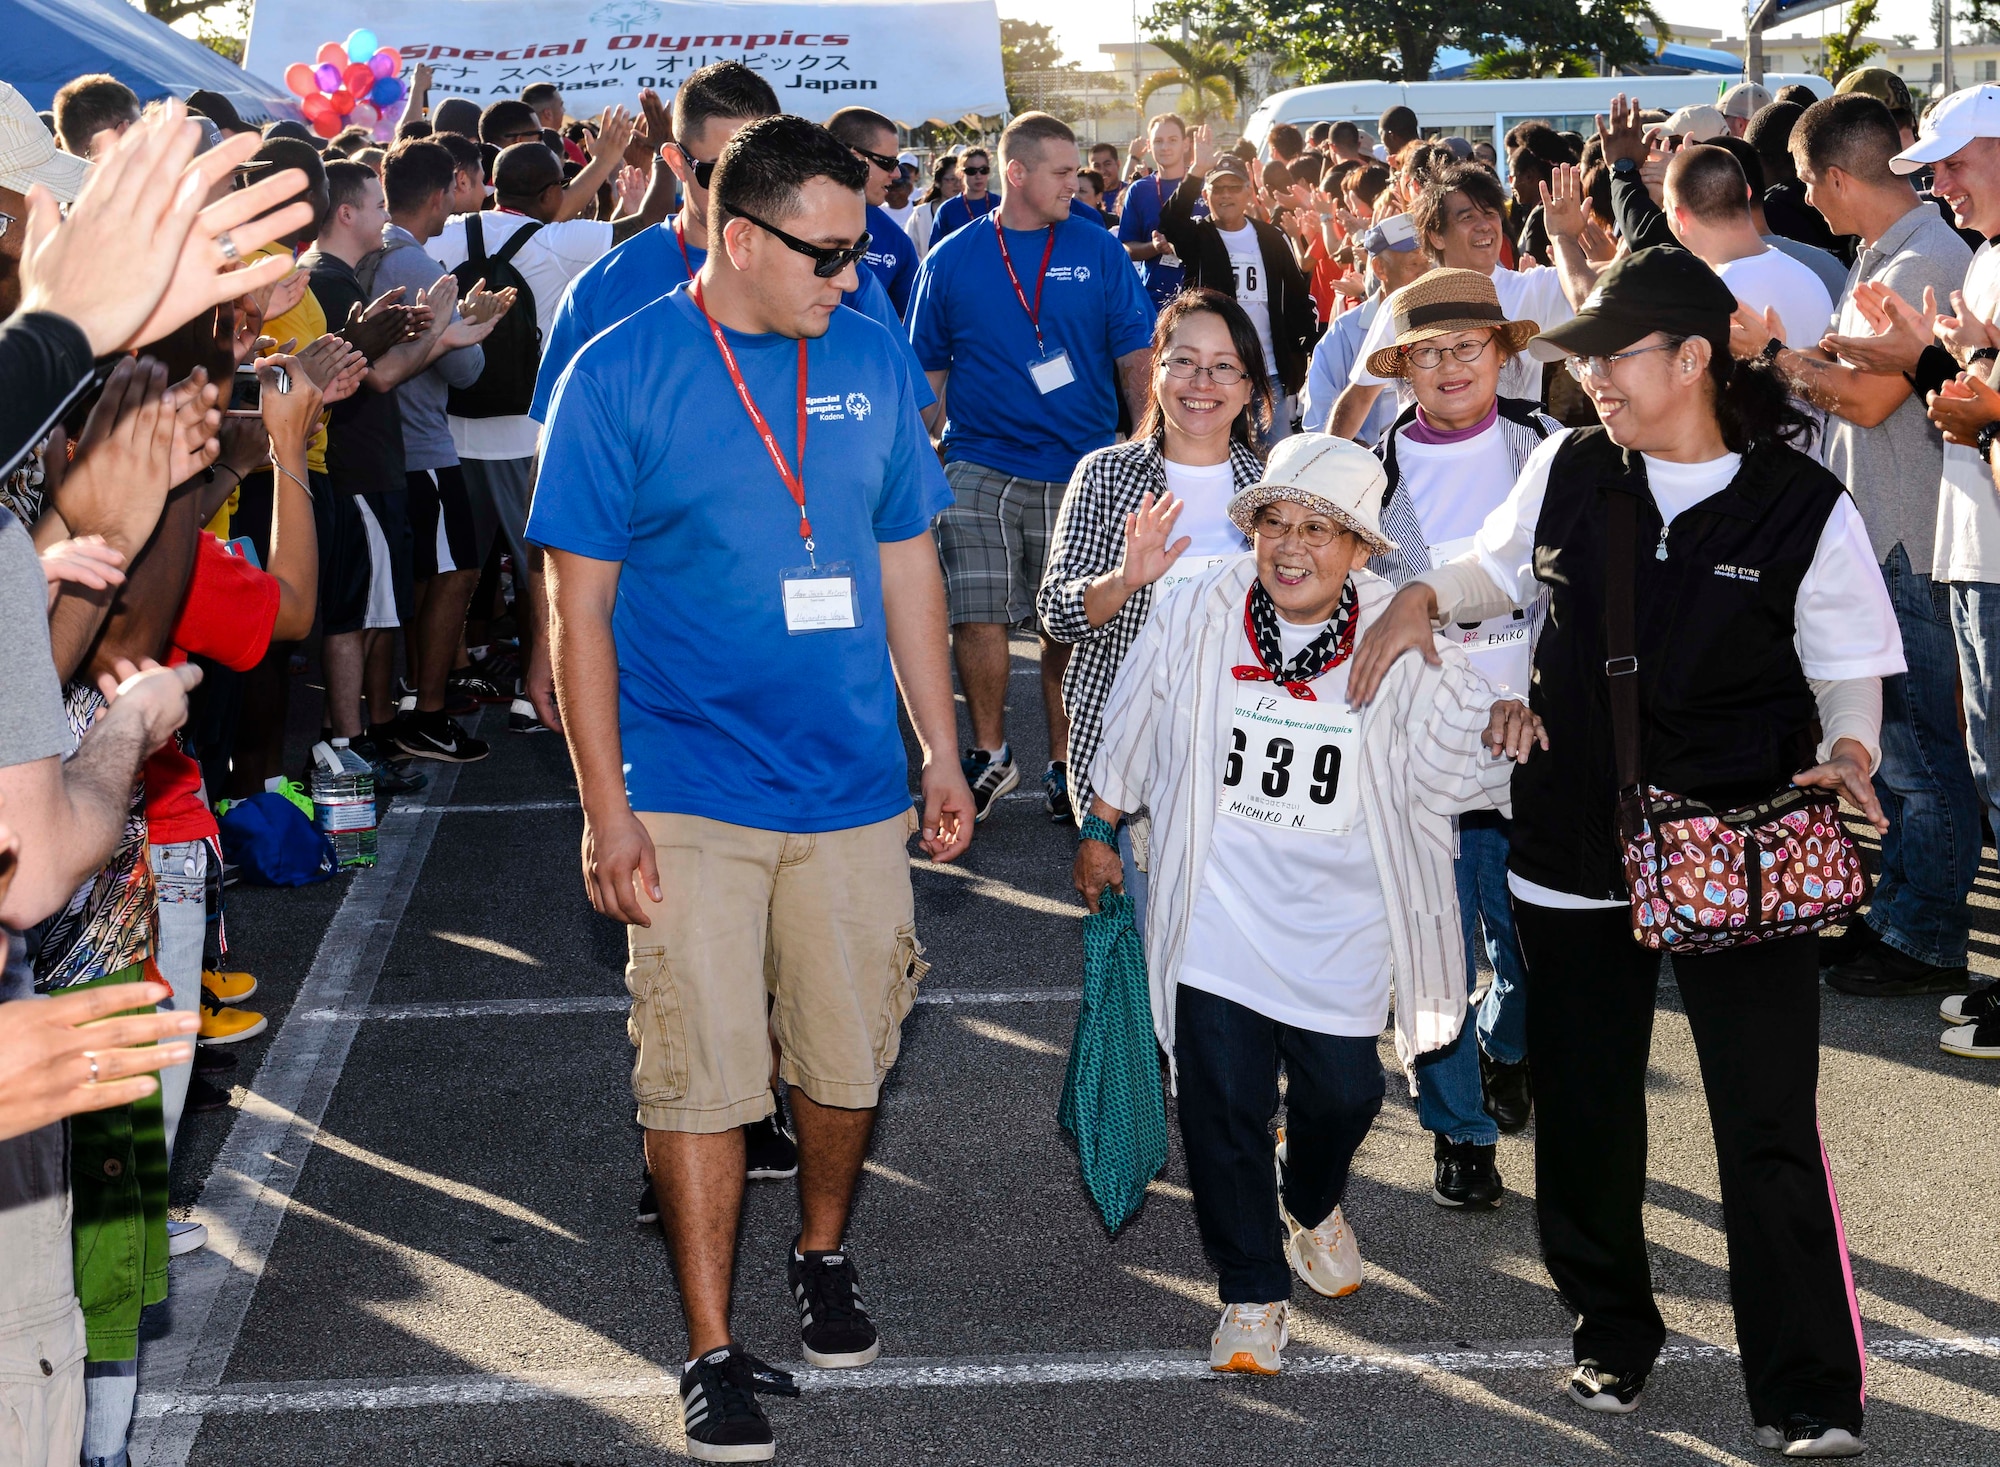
{"x":300,"y":79}
{"x":331,"y":53}
{"x":328,"y":76}
{"x":385,"y":62}
{"x":385,"y":130}
{"x":364,"y":115}
{"x":393,"y":113}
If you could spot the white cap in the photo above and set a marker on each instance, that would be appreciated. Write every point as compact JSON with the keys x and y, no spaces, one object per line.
{"x":1744,"y":100}
{"x":1949,"y":126}
{"x":28,"y":154}
{"x":1701,"y":122}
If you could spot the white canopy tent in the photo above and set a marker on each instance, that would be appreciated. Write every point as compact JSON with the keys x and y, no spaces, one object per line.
{"x":914,"y":60}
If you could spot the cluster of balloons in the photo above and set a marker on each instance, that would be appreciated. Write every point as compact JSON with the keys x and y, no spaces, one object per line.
{"x":351,"y":84}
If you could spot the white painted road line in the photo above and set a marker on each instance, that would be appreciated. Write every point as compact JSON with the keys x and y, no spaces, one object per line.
{"x":505,"y":809}
{"x":618,"y":1003}
{"x":250,"y":1185}
{"x":270,"y":1398}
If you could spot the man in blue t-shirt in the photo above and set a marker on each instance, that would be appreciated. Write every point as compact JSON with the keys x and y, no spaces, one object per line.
{"x":735,"y":501}
{"x":1038,"y":320}
{"x":892,"y":254}
{"x":975,"y":202}
{"x":1139,"y":224}
{"x":709,"y":109}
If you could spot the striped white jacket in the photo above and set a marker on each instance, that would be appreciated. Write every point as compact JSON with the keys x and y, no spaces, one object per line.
{"x":1423,"y":760}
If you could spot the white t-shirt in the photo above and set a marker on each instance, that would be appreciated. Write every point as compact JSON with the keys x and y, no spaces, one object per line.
{"x":1845,"y":626}
{"x":901,"y":216}
{"x":1525,"y":295}
{"x":555,"y":256}
{"x":1253,"y":291}
{"x":1452,"y":487}
{"x":1205,"y":490}
{"x":1292,"y":924}
{"x":1968,"y":514}
{"x":1776,"y":279}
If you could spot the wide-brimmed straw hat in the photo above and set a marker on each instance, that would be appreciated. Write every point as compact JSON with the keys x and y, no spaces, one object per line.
{"x":1335,"y":477}
{"x":1439,"y":303}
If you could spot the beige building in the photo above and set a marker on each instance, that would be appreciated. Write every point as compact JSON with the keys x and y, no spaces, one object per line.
{"x":1920,"y":67}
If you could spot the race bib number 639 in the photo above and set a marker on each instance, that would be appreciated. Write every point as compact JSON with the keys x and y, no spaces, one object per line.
{"x":1290,"y":764}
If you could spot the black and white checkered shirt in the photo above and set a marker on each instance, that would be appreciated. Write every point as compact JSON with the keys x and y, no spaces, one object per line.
{"x":1089,"y":541}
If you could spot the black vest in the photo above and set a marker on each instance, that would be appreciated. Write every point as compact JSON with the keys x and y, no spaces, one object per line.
{"x":1725,"y":710}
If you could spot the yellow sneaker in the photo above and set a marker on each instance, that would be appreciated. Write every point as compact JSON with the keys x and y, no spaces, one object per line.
{"x":229,"y":987}
{"x":222,"y":1025}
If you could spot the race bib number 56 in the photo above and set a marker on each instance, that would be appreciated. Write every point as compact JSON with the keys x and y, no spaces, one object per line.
{"x":1290,"y":764}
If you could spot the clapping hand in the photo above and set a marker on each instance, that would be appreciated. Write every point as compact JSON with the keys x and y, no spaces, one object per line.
{"x":118,"y":481}
{"x":381,"y":326}
{"x":482,"y":305}
{"x":197,"y":407}
{"x":1900,"y":332}
{"x":1962,"y":407}
{"x":335,"y":366}
{"x":1962,"y":332}
{"x":1750,"y":335}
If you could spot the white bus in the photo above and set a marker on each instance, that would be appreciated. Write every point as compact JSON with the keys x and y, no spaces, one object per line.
{"x":1483,"y":111}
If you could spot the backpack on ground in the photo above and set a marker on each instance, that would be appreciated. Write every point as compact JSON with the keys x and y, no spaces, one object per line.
{"x":514,"y":351}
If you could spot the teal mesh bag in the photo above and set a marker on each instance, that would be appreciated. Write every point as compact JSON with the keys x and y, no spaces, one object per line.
{"x":1112,"y":1102}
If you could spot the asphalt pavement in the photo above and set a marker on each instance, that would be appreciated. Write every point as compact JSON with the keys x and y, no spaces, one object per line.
{"x":424,"y":1248}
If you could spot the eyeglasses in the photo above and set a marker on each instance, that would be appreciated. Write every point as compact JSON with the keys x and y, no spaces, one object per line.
{"x":703,"y":170}
{"x":1429,"y":358}
{"x":1222,"y":374}
{"x":828,"y":260}
{"x":980,"y":172}
{"x":1582,"y":368}
{"x":884,"y":161}
{"x":1271,"y":525}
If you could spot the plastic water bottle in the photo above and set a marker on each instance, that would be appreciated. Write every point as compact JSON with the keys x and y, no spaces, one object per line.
{"x":343,"y":792}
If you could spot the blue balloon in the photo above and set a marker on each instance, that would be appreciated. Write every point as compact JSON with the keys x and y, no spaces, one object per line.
{"x":361,"y":45}
{"x":386,"y":92}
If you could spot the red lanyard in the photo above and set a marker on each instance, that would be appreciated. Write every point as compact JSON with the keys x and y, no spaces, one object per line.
{"x":795,"y":482}
{"x":1048,"y":252}
{"x":681,"y":239}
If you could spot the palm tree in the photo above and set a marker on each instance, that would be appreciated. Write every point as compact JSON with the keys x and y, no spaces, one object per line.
{"x":1208,"y":74}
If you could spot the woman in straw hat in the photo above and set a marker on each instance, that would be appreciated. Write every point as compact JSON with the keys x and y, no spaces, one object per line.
{"x":1301,"y":868}
{"x":1735,"y":579}
{"x":1451,"y":458}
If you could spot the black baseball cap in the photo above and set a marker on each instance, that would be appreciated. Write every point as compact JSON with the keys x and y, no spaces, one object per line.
{"x":1663,"y":288}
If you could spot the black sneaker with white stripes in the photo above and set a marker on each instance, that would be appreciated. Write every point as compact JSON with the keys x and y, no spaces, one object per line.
{"x":834,"y":1327}
{"x":719,"y":1406}
{"x":439,"y":736}
{"x":1597,"y":1389}
{"x":1971,"y":1008}
{"x":1808,"y":1436}
{"x":990,"y":778}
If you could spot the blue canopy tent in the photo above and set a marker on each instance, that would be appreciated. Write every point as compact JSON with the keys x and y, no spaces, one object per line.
{"x":50,"y":42}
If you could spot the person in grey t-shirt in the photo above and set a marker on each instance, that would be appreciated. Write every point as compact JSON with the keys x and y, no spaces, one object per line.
{"x":1884,"y":447}
{"x":420,"y":181}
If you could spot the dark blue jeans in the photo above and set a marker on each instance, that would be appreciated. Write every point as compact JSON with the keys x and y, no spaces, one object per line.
{"x":1931,"y":853}
{"x":1451,"y":1102}
{"x":1228,"y":1058}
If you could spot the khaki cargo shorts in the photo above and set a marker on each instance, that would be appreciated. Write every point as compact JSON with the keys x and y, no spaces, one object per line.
{"x":829,"y":923}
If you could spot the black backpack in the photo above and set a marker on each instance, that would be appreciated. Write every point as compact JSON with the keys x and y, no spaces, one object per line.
{"x":506,"y":387}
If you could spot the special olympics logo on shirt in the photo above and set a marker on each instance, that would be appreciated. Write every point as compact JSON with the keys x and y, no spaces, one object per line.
{"x":1082,"y":273}
{"x":858,"y":404}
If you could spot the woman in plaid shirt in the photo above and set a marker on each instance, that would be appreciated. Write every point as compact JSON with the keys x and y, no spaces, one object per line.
{"x":1144,"y":517}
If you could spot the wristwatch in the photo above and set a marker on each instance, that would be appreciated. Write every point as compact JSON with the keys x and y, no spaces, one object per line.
{"x":1625,"y":168}
{"x":1988,"y":436}
{"x":1984,"y":354}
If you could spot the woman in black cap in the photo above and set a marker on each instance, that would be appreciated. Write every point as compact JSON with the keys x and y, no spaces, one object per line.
{"x":1741,"y":573}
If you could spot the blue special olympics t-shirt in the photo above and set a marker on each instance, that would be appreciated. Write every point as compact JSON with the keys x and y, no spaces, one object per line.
{"x":958,"y":210}
{"x":891,"y":258}
{"x":1143,"y":197}
{"x":640,"y":271}
{"x":650,"y":459}
{"x":966,"y":319}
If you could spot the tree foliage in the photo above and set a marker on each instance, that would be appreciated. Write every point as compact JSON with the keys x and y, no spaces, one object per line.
{"x":1847,"y":50}
{"x":1026,"y":48}
{"x":1208,"y":73}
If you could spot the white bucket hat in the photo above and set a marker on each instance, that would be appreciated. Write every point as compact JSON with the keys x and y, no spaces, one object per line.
{"x":28,"y":154}
{"x":1335,"y":477}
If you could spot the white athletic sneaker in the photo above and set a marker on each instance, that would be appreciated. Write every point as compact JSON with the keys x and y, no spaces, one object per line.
{"x":1326,"y":1257}
{"x":1250,"y":1340}
{"x":185,"y":1237}
{"x":1973,"y":1041}
{"x":1807,"y":1436}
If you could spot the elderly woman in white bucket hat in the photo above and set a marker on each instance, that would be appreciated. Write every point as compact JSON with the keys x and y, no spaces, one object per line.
{"x":1301,"y":868}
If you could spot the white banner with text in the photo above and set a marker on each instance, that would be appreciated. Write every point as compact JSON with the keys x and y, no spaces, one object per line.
{"x":911,"y":61}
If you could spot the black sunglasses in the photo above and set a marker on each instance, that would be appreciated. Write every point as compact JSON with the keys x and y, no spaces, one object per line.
{"x":828,"y":261}
{"x":702,"y":171}
{"x":981,"y":171}
{"x":883,"y":161}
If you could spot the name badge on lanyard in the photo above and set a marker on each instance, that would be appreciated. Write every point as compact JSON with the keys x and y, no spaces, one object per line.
{"x":1501,"y":647}
{"x":1048,"y":370}
{"x":815,"y":598}
{"x":1291,"y":764}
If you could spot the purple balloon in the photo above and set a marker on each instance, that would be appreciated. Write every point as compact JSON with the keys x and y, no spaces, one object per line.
{"x":385,"y":130}
{"x":385,"y":62}
{"x":328,"y":77}
{"x":388,"y":89}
